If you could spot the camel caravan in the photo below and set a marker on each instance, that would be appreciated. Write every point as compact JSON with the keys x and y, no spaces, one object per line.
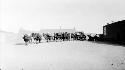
{"x":36,"y":38}
{"x":49,"y":37}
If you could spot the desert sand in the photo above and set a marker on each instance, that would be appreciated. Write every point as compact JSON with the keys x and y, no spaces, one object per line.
{"x":67,"y":55}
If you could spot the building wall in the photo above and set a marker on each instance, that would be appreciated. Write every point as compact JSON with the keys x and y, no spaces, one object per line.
{"x":57,"y":30}
{"x":23,"y":31}
{"x":115,"y":31}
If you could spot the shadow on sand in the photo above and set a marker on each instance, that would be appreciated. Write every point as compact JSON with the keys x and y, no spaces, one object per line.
{"x":109,"y":43}
{"x":20,"y":44}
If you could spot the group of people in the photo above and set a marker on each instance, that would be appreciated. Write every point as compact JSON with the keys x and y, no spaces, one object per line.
{"x":61,"y":36}
{"x":96,"y":37}
{"x":32,"y":38}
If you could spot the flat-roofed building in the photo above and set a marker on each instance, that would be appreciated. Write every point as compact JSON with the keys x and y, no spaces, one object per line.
{"x":115,"y":31}
{"x":23,"y":31}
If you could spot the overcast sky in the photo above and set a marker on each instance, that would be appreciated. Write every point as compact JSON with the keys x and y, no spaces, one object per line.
{"x":86,"y":15}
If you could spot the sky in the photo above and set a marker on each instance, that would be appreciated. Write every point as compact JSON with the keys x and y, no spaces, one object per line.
{"x":85,"y":15}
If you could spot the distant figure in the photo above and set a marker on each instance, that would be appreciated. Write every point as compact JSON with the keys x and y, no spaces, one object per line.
{"x":27,"y":39}
{"x":36,"y":37}
{"x":95,"y":38}
{"x":90,"y":38}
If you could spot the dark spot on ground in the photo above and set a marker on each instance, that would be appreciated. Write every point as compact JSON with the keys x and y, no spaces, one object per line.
{"x":112,"y":64}
{"x":51,"y":64}
{"x":20,"y":44}
{"x":122,"y":63}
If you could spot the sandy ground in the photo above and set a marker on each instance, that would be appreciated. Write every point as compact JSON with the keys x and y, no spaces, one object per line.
{"x":68,"y":55}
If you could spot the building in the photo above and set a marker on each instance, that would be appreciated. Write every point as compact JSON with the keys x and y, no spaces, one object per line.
{"x":115,"y":31}
{"x":57,"y":30}
{"x":23,"y":31}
